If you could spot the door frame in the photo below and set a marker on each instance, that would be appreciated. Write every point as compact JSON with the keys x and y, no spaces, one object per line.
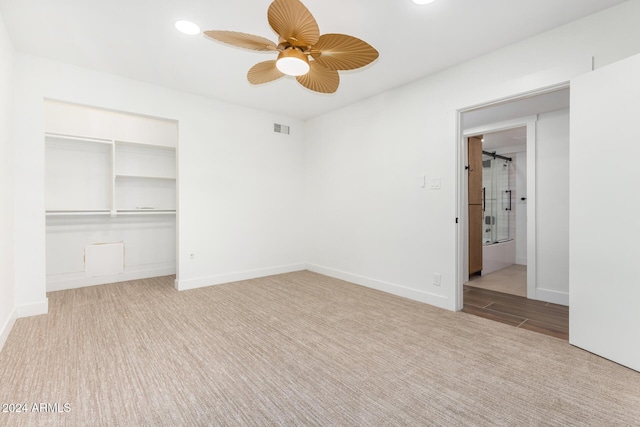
{"x":462,"y":181}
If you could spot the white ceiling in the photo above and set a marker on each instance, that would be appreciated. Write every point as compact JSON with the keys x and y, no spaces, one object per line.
{"x":136,"y":39}
{"x":497,"y":141}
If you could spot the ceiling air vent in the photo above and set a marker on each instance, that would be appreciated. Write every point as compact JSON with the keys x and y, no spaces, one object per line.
{"x":278,"y":128}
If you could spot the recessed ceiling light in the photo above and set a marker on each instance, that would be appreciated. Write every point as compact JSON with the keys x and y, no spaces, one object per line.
{"x":187,"y":27}
{"x":423,"y":1}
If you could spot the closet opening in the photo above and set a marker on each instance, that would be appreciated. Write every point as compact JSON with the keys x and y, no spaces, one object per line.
{"x":110,"y":195}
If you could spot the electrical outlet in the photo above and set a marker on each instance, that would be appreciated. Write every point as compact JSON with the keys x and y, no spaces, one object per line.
{"x":437,"y":279}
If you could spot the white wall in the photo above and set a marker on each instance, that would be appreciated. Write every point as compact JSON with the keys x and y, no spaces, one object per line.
{"x":552,"y":207}
{"x":369,"y":219}
{"x":7,"y":300}
{"x":239,"y":185}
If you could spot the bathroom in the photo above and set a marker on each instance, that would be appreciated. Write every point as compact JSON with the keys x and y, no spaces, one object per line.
{"x":503,"y":207}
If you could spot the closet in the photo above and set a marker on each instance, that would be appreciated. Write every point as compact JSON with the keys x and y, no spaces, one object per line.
{"x":110,"y":195}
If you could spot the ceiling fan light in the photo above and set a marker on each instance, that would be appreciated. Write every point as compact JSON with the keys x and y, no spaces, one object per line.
{"x":292,"y":62}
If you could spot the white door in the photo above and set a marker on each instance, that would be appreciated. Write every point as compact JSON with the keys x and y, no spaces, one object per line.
{"x":604,"y":243}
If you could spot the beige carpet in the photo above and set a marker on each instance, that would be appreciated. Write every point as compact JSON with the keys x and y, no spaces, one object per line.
{"x":295,"y":349}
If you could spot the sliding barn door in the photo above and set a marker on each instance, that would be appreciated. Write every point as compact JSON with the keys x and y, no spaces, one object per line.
{"x":604,"y":311}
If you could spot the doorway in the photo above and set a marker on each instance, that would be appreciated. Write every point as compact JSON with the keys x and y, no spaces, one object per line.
{"x":507,"y":208}
{"x":516,"y":120}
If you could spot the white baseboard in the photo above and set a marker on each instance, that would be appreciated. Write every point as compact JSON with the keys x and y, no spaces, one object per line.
{"x":201,"y":282}
{"x":34,"y":309}
{"x":555,"y":297}
{"x":78,"y":280}
{"x":391,"y":288}
{"x":5,"y":330}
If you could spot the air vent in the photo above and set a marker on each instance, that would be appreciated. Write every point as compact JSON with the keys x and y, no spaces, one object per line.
{"x":278,"y":128}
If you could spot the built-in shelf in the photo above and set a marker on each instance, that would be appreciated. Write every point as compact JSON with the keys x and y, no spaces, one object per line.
{"x":113,"y":213}
{"x":58,"y":136}
{"x":110,"y":181}
{"x":135,"y":192}
{"x":78,"y":213}
{"x":78,"y":174}
{"x":86,"y":175}
{"x":144,"y":144}
{"x":147,"y":212}
{"x":144,"y":161}
{"x":168,"y":178}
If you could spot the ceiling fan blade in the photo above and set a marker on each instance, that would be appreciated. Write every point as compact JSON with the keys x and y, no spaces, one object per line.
{"x":293,"y":22}
{"x":343,"y":52}
{"x":243,"y":40}
{"x":320,"y":79}
{"x":263,"y":72}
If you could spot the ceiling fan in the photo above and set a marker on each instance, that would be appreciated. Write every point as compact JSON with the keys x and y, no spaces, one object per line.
{"x":312,"y":58}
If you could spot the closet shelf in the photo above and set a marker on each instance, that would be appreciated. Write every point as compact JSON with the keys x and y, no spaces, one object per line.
{"x":61,"y":136}
{"x":113,"y":175}
{"x":145,"y":212}
{"x":127,"y":176}
{"x":145,"y":145}
{"x":77,"y":212}
{"x":115,"y":213}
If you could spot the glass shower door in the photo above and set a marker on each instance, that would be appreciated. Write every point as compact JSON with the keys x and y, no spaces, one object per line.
{"x":497,"y":200}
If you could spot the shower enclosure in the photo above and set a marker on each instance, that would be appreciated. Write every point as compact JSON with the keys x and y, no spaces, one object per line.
{"x":497,"y":199}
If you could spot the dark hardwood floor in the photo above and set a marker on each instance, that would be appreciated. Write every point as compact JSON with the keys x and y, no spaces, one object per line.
{"x":539,"y":316}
